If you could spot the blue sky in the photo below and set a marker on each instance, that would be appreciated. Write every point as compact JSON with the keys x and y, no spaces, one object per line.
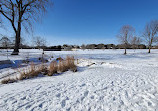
{"x":92,"y":21}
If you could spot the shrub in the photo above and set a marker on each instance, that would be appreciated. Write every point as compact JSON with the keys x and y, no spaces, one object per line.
{"x":68,"y":63}
{"x":34,"y":70}
{"x":43,"y":69}
{"x":30,"y":72}
{"x":23,"y":74}
{"x":52,"y":68}
{"x":62,"y":67}
{"x":71,"y":63}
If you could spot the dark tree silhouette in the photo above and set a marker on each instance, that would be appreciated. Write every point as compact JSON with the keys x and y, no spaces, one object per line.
{"x":22,"y":13}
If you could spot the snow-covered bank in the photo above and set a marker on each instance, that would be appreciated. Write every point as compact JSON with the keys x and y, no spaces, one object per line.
{"x":112,"y":82}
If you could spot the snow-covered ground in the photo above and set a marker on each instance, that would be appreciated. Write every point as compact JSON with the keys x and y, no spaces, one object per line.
{"x":106,"y":80}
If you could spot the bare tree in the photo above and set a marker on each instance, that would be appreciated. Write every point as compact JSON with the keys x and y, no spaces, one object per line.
{"x":83,"y":46}
{"x":125,"y":34}
{"x":22,"y":13}
{"x":5,"y":42}
{"x":39,"y":42}
{"x":150,"y":33}
{"x":135,"y":42}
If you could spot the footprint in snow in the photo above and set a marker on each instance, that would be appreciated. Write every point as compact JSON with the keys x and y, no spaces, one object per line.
{"x":58,"y":95}
{"x":63,"y":103}
{"x":86,"y":93}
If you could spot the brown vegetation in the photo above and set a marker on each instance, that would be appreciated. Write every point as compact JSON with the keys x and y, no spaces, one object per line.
{"x":52,"y":68}
{"x":34,"y":70}
{"x":8,"y":80}
{"x":30,"y":72}
{"x":62,"y":66}
{"x":71,"y":63}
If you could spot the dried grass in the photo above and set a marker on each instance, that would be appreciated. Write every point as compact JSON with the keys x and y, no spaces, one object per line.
{"x":8,"y":80}
{"x":52,"y":68}
{"x":62,"y":66}
{"x":71,"y":63}
{"x":67,"y":64}
{"x":30,"y":72}
{"x":34,"y":70}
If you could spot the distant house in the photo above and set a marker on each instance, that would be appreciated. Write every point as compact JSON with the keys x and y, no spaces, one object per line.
{"x":155,"y":47}
{"x":91,"y":46}
{"x":100,"y":46}
{"x":74,"y":49}
{"x":110,"y":46}
{"x":142,"y":46}
{"x":121,"y":46}
{"x":67,"y":47}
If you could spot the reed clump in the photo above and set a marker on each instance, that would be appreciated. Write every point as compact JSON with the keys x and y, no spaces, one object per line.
{"x":62,"y":65}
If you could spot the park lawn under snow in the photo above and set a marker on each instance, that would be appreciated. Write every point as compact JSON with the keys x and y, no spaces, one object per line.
{"x":112,"y":82}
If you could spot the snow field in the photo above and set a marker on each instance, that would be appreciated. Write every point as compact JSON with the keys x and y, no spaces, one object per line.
{"x":112,"y":82}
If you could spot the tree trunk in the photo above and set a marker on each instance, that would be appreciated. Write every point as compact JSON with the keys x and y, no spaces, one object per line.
{"x":125,"y":51}
{"x":149,"y":49}
{"x":18,"y":31}
{"x":17,"y":41}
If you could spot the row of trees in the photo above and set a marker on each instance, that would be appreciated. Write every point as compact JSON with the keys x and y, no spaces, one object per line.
{"x":127,"y":36}
{"x":37,"y":42}
{"x":112,"y":46}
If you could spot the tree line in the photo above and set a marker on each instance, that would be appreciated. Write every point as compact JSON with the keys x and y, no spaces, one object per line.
{"x":41,"y":43}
